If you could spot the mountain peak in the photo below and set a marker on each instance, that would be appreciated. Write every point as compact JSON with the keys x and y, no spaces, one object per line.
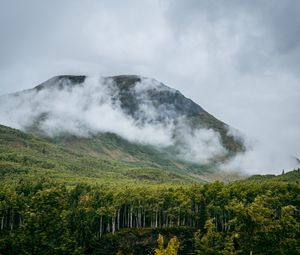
{"x":136,"y":108}
{"x":131,"y":91}
{"x":60,"y":81}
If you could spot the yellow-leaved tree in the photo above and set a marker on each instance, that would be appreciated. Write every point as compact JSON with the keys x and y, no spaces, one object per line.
{"x":172,"y":247}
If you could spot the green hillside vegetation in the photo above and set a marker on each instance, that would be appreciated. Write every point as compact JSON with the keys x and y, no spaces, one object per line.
{"x":25,"y":155}
{"x":292,"y":176}
{"x":100,"y":158}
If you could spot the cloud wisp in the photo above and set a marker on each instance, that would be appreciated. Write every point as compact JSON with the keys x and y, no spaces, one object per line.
{"x":237,"y":59}
{"x":93,"y":106}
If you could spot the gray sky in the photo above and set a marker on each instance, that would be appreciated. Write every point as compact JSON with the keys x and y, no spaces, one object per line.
{"x":238,"y":59}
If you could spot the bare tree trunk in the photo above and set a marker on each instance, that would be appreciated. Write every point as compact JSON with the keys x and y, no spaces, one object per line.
{"x":108,"y":226}
{"x":131,"y":209}
{"x":100,"y":227}
{"x":124,"y":216}
{"x":140,"y":218}
{"x":113,"y":224}
{"x":2,"y":222}
{"x":11,"y":220}
{"x":118,"y":219}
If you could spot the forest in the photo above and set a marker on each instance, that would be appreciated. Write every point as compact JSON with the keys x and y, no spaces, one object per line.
{"x":255,"y":216}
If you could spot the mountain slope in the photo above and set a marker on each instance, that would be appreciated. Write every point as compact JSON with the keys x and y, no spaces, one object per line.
{"x":27,"y":156}
{"x":136,"y":123}
{"x":170,"y":103}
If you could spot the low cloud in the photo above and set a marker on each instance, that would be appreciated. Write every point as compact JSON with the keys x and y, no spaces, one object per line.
{"x":262,"y":155}
{"x":237,"y":59}
{"x":93,"y":107}
{"x":200,"y":145}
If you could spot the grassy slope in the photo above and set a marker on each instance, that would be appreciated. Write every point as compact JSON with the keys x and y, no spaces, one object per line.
{"x":113,"y":147}
{"x":82,"y":160}
{"x":103,"y":159}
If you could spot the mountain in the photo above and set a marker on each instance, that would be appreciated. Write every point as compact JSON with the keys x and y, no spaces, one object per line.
{"x":115,"y":127}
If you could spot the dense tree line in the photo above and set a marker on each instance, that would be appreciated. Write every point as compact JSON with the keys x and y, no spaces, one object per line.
{"x":43,"y":217}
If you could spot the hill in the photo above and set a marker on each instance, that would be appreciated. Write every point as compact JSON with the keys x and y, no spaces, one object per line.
{"x":122,"y":127}
{"x":291,"y":177}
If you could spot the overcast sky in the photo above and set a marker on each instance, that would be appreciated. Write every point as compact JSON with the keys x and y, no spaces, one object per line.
{"x":240,"y":60}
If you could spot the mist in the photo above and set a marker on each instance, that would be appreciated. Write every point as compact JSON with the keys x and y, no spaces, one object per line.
{"x":90,"y":108}
{"x":237,"y":59}
{"x":262,"y":155}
